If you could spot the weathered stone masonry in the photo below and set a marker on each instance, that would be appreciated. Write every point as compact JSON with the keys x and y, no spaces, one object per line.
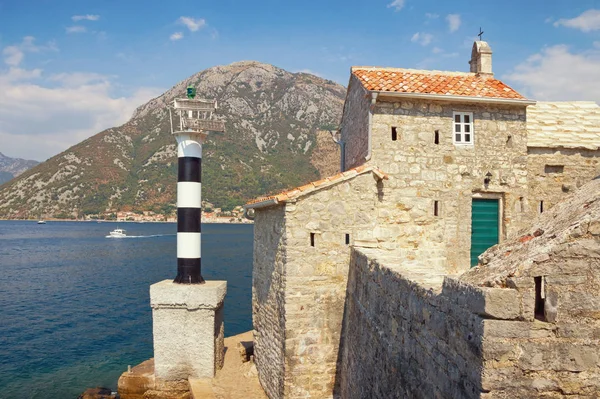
{"x":563,"y":151}
{"x":553,"y":173}
{"x":362,"y":286}
{"x":302,"y":253}
{"x":268,"y":293}
{"x":422,"y":171}
{"x":355,"y":123}
{"x":408,"y":334}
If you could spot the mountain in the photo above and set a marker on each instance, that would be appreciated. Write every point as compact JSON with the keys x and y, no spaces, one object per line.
{"x":13,"y":167}
{"x":276,"y":137}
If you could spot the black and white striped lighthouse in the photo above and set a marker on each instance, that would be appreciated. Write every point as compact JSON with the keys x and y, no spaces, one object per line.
{"x":194,"y":124}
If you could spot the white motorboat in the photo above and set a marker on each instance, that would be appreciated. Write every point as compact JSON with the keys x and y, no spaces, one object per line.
{"x":41,"y":222}
{"x":117,"y":233}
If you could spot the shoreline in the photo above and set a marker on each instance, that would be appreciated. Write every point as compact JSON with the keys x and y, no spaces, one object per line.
{"x":204,"y":221}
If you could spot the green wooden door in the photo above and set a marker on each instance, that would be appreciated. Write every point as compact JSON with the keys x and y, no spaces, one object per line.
{"x":484,"y":226}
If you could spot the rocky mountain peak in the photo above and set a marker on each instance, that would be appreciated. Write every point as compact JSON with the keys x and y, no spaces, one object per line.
{"x":273,"y":118}
{"x":13,"y":167}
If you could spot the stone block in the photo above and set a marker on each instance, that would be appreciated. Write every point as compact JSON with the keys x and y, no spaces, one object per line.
{"x":558,"y":356}
{"x":576,"y":304}
{"x":566,"y":279}
{"x":499,"y":352}
{"x":528,"y":303}
{"x":578,"y":331}
{"x":187,"y":329}
{"x":167,"y":294}
{"x":518,"y":329}
{"x":499,"y":303}
{"x":135,"y":382}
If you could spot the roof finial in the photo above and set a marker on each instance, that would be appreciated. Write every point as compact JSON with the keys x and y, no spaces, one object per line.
{"x":480,"y":33}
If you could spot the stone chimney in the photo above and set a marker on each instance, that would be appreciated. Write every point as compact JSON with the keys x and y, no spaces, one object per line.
{"x":481,"y":58}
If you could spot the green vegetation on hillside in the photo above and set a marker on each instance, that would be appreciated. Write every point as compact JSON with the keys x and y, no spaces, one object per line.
{"x":271,"y":121}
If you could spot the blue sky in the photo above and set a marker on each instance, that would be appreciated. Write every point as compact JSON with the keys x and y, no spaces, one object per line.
{"x":72,"y":68}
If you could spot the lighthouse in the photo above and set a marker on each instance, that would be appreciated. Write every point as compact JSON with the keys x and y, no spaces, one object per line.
{"x":187,"y":312}
{"x":195,"y":121}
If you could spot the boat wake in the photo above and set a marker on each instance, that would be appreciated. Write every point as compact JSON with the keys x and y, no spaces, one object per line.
{"x":153,"y":235}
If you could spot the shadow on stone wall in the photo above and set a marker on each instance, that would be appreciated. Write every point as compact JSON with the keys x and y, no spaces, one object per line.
{"x":400,"y":340}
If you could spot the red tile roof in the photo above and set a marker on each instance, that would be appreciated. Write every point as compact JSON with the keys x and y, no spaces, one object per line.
{"x":314,"y":186}
{"x":433,"y":82}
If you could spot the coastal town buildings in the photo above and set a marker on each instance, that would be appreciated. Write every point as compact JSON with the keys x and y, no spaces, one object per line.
{"x":362,"y":282}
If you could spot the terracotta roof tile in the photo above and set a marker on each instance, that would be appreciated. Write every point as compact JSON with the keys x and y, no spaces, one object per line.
{"x":433,"y":82}
{"x":315,"y":186}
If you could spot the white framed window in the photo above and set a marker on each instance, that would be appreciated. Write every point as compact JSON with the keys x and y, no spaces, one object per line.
{"x":462,"y":132}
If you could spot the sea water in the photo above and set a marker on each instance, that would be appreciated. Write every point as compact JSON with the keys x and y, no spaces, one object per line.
{"x":75,"y":306}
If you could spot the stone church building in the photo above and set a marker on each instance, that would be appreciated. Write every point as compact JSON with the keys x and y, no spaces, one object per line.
{"x":362,"y":282}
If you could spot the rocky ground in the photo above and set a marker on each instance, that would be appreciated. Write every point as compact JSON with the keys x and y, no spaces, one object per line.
{"x":238,"y":379}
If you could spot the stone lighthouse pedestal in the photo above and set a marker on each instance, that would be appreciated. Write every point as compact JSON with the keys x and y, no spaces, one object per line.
{"x":188,"y":330}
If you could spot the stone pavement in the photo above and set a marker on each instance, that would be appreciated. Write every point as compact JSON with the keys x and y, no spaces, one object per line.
{"x":236,"y":380}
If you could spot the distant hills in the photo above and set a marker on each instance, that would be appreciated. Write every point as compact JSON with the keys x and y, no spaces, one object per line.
{"x":276,"y":138}
{"x":13,"y":167}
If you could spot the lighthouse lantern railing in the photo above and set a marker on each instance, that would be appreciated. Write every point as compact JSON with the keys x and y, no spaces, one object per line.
{"x":195,"y":115}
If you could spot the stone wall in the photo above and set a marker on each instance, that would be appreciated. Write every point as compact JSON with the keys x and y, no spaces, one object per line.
{"x":408,"y":336}
{"x":301,"y":258}
{"x":554,"y":173}
{"x":403,"y":340}
{"x":268,"y":287}
{"x":422,"y":171}
{"x":316,"y":276}
{"x":355,"y":123}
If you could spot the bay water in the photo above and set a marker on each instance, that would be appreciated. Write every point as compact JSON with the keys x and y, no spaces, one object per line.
{"x":75,"y":306}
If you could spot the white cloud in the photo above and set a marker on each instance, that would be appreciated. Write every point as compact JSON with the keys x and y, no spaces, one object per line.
{"x":397,"y":5}
{"x":441,"y":53}
{"x":76,"y":29}
{"x":15,"y":74}
{"x":176,"y":36}
{"x":13,"y":55}
{"x":78,"y":79}
{"x":423,"y":39}
{"x":586,"y":22}
{"x":453,"y":22}
{"x":87,"y":17}
{"x":432,"y":16}
{"x":192,"y":24}
{"x":557,"y":74}
{"x":59,"y":111}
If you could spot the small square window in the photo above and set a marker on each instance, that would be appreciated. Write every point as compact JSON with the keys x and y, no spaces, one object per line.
{"x":463,"y":128}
